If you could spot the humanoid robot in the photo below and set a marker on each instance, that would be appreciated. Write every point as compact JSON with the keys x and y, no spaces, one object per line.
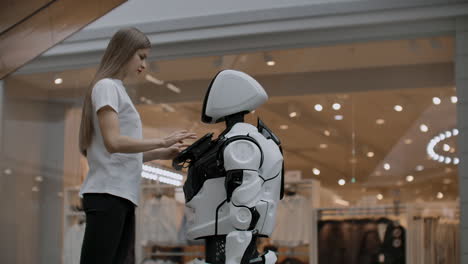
{"x":235,"y":181}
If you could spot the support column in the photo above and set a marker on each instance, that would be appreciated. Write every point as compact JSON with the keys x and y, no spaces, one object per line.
{"x":461,"y":80}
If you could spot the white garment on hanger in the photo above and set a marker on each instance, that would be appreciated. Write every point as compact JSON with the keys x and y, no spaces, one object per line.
{"x":293,"y":222}
{"x":72,"y":244}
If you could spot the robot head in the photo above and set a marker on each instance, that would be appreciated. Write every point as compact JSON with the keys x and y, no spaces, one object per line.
{"x":231,"y":92}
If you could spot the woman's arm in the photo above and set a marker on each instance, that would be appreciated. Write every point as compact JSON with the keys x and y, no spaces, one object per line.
{"x":114,"y":142}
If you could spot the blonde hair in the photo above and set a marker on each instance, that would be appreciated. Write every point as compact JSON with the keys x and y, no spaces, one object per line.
{"x":119,"y":51}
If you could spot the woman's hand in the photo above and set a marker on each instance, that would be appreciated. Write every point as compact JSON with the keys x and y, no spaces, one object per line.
{"x":178,"y":137}
{"x":172,"y":151}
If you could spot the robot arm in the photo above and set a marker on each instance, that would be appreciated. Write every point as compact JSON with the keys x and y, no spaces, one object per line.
{"x":242,"y":159}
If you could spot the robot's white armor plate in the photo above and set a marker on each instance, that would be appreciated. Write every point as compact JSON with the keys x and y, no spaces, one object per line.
{"x":261,"y":161}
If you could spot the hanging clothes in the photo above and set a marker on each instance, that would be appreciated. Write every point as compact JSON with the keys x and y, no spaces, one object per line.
{"x":293,"y":222}
{"x":72,"y":244}
{"x":161,"y":221}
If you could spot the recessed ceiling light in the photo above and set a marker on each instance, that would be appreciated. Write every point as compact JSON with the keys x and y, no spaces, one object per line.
{"x":293,"y":114}
{"x":455,"y":132}
{"x":448,"y":160}
{"x":284,"y":127}
{"x":271,"y":63}
{"x":440,"y":195}
{"x":409,"y":178}
{"x":419,"y":167}
{"x":456,"y":161}
{"x":386,"y":166}
{"x":370,"y":154}
{"x":58,"y":81}
{"x":454,"y":99}
{"x":398,"y":108}
{"x":318,"y":107}
{"x":341,"y":182}
{"x":424,"y":128}
{"x":316,"y":171}
{"x":436,"y":100}
{"x":327,"y":133}
{"x":408,"y":141}
{"x":323,"y":146}
{"x":336,"y":106}
{"x":446,"y":147}
{"x":380,"y":121}
{"x":338,"y":117}
{"x":379,"y":196}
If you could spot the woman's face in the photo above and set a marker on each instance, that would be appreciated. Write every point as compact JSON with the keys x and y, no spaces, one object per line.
{"x":137,"y":63}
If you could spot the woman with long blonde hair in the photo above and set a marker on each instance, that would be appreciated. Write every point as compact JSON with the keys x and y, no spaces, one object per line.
{"x":111,"y":139}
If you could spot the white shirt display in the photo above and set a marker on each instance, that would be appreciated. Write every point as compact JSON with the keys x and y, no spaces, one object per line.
{"x":293,"y":222}
{"x":72,"y":244}
{"x":162,"y":219}
{"x":118,"y":174}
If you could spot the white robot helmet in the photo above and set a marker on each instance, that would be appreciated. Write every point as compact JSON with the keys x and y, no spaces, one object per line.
{"x":231,"y":92}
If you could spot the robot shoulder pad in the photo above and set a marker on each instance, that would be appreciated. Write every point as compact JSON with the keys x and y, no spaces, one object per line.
{"x":242,"y":152}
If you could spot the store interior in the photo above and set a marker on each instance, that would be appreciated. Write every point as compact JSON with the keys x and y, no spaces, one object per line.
{"x":362,"y":125}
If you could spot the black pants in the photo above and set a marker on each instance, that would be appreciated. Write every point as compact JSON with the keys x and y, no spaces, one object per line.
{"x":110,"y":230}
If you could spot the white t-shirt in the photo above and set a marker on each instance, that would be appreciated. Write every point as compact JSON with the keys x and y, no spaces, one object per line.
{"x":118,"y":174}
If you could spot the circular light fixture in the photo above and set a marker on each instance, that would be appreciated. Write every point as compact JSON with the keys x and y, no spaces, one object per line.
{"x":398,"y":108}
{"x":379,"y":196}
{"x":341,"y":182}
{"x":408,"y":141}
{"x":271,"y":63}
{"x":318,"y":107}
{"x":424,"y":128}
{"x":380,"y":121}
{"x":447,"y":181}
{"x":454,"y":99}
{"x":336,"y":106}
{"x":370,"y":154}
{"x":284,"y":127}
{"x":327,"y":133}
{"x":409,"y":178}
{"x":430,"y":148}
{"x":316,"y":171}
{"x":436,"y":100}
{"x":323,"y":146}
{"x":293,"y":114}
{"x":338,"y":117}
{"x":58,"y":81}
{"x":419,"y":167}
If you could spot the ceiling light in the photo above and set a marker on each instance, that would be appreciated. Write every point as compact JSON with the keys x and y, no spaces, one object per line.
{"x":173,"y":88}
{"x":35,"y":189}
{"x":370,"y":154}
{"x":448,"y":170}
{"x":293,"y":114}
{"x":336,"y":106}
{"x":448,"y":160}
{"x":455,"y":132}
{"x":441,"y":159}
{"x":338,"y":117}
{"x":436,"y":100}
{"x":379,"y":196}
{"x":440,"y":195}
{"x":448,"y":134}
{"x":378,"y":173}
{"x":454,"y":99}
{"x":316,"y":171}
{"x":58,"y":81}
{"x":269,"y":60}
{"x":446,"y":147}
{"x":408,"y":141}
{"x":327,"y":133}
{"x":8,"y":171}
{"x":154,"y":80}
{"x":380,"y":121}
{"x":318,"y":107}
{"x":341,"y":182}
{"x":456,"y":161}
{"x":386,"y":166}
{"x":424,"y":128}
{"x":39,"y":178}
{"x":398,"y":108}
{"x":409,"y":178}
{"x":447,"y":181}
{"x":419,"y":167}
{"x":323,"y":146}
{"x":284,"y":127}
